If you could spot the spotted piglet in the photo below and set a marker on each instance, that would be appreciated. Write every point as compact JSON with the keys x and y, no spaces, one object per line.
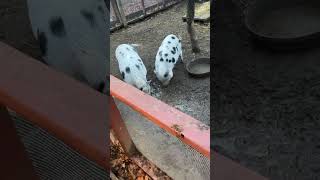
{"x":132,"y":68}
{"x":167,"y":56}
{"x":72,"y":38}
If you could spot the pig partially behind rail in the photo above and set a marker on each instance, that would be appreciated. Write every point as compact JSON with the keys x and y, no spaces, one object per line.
{"x":72,"y":35}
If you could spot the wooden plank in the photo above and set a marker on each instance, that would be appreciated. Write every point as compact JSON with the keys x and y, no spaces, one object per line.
{"x":66,"y":108}
{"x":116,"y":11}
{"x":143,"y":7}
{"x":120,"y":130}
{"x":122,"y":14}
{"x":177,"y":123}
{"x":15,"y":163}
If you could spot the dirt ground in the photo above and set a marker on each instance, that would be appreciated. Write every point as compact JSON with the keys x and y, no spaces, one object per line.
{"x":190,"y":95}
{"x":266,"y":104}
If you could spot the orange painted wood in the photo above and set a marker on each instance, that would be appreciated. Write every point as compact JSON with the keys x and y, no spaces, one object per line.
{"x":120,"y":130}
{"x":181,"y":125}
{"x":66,"y":108}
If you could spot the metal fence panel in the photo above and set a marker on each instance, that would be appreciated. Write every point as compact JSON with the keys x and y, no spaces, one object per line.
{"x":134,"y":9}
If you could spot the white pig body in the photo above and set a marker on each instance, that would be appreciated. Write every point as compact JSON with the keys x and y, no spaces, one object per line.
{"x":167,"y":56}
{"x":131,"y":67}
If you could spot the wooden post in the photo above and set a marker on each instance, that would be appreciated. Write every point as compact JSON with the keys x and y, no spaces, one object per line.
{"x":163,"y":4}
{"x":120,"y":130}
{"x":118,"y":12}
{"x":143,"y":8}
{"x":15,"y":164}
{"x":192,"y":34}
{"x":122,"y":14}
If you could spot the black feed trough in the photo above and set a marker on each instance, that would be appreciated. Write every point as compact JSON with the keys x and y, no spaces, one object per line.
{"x":284,"y":22}
{"x":199,"y":67}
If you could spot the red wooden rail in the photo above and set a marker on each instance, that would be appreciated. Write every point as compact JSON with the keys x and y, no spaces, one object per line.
{"x":181,"y":125}
{"x":66,"y":108}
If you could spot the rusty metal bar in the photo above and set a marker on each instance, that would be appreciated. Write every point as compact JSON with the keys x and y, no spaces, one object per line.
{"x":225,"y":169}
{"x":66,"y":108}
{"x":181,"y":125}
{"x":14,"y":161}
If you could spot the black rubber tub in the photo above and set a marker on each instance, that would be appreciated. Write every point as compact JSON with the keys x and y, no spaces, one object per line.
{"x":284,"y":23}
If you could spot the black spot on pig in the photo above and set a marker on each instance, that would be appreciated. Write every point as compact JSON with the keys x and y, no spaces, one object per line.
{"x":173,"y":52}
{"x":169,"y":61}
{"x":88,"y":16}
{"x":127,"y":49}
{"x":173,"y":37}
{"x":127,"y":70}
{"x":173,"y":60}
{"x":57,"y":27}
{"x":166,"y":55}
{"x":43,"y":42}
{"x":166,"y":74}
{"x":138,"y":67}
{"x":100,"y":9}
{"x":179,"y":41}
{"x":169,"y":42}
{"x":161,"y":59}
{"x":123,"y":75}
{"x":139,"y":60}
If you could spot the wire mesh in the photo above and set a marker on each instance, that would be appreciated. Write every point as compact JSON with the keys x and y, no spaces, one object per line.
{"x":51,"y":158}
{"x":171,"y":155}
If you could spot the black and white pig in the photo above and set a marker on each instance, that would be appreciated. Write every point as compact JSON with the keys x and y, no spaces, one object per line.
{"x":72,"y":35}
{"x":131,"y":67}
{"x":169,"y":53}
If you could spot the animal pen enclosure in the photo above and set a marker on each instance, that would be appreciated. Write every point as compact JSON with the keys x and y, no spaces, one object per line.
{"x":188,"y":95}
{"x":123,"y":12}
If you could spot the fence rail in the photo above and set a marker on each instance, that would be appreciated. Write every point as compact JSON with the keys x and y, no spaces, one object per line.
{"x":56,"y":103}
{"x":187,"y":129}
{"x":123,"y":12}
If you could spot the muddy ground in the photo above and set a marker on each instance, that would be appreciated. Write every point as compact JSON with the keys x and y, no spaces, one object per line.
{"x":266,"y":104}
{"x":190,"y":95}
